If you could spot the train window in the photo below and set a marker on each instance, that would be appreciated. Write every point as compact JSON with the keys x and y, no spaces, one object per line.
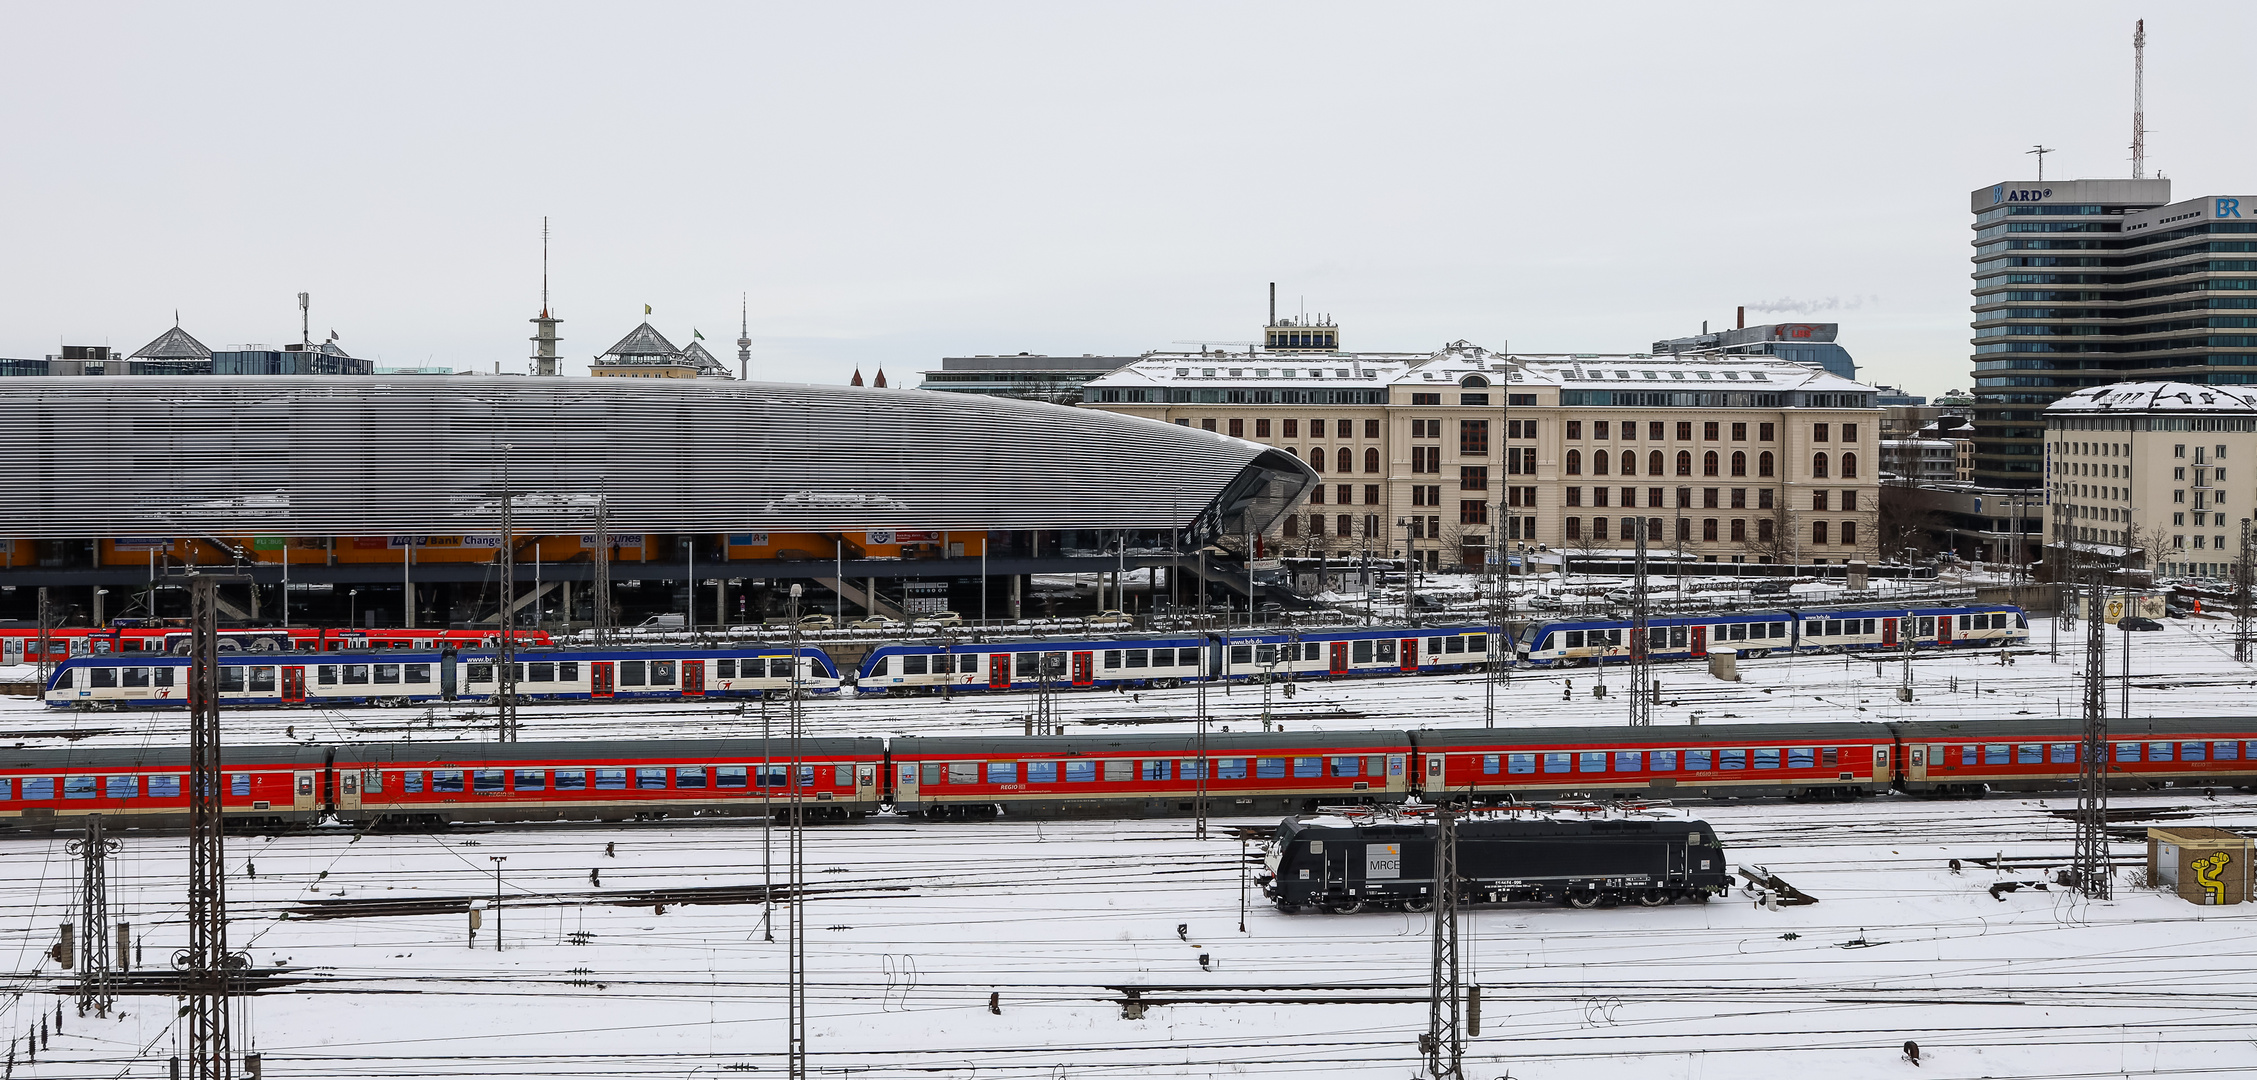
{"x":419,"y":674}
{"x":2021,"y":621}
{"x":326,"y":675}
{"x":1269,"y":768}
{"x":689,"y":776}
{"x":1117,"y":772}
{"x":842,"y":776}
{"x":2029,"y":754}
{"x":1996,"y":754}
{"x":1627,"y":761}
{"x":1574,"y":639}
{"x":540,"y":672}
{"x":135,"y":676}
{"x":729,"y":776}
{"x":1830,"y":757}
{"x":1731,"y":759}
{"x":1698,"y":760}
{"x":487,"y":781}
{"x":1186,"y":658}
{"x":1153,"y":771}
{"x":1474,"y":643}
{"x":1139,"y":658}
{"x":1556,"y":761}
{"x":1970,"y":755}
{"x":162,"y":676}
{"x":1806,"y":757}
{"x":1112,"y":659}
{"x":1307,"y":767}
{"x":1963,"y":625}
{"x":1739,"y":632}
{"x":725,"y":667}
{"x":387,"y":673}
{"x":1359,"y":652}
{"x":611,"y":779}
{"x":963,"y":772}
{"x":1490,"y":763}
{"x":914,"y":664}
{"x":262,"y":680}
{"x":1347,"y":766}
{"x":1679,"y":637}
{"x":239,"y":783}
{"x":1520,"y":764}
{"x":40,"y":788}
{"x":411,"y":783}
{"x":930,"y":775}
{"x":2064,"y":753}
{"x":662,"y":673}
{"x":1814,"y":628}
{"x":1046,"y":772}
{"x":2190,"y":751}
{"x":160,"y":787}
{"x":1375,"y":765}
{"x":108,"y":677}
{"x":1833,"y":627}
{"x":2159,"y":751}
{"x":1082,"y":772}
{"x":1002,"y":772}
{"x":230,"y":678}
{"x":1265,"y":655}
{"x":1926,"y":627}
{"x":1433,"y":646}
{"x":630,"y":673}
{"x":1385,"y":651}
{"x":357,"y":674}
{"x":1664,"y":761}
{"x":1242,"y":654}
{"x":121,"y":787}
{"x":1026,"y":664}
{"x":1591,"y":762}
{"x":2226,"y":751}
{"x":780,"y":667}
{"x":650,"y":778}
{"x":7,"y":789}
{"x":1767,"y":759}
{"x":1454,"y":644}
{"x":477,"y":673}
{"x":806,"y":776}
{"x":566,"y":780}
{"x":446,"y":780}
{"x":1230,"y":768}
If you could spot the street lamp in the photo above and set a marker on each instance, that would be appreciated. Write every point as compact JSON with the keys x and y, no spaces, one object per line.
{"x":498,"y":860}
{"x":352,"y":603}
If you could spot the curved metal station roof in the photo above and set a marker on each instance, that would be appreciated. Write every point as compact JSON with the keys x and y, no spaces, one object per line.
{"x":359,"y":455}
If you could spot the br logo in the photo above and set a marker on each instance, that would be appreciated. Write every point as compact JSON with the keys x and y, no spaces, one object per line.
{"x":2206,"y":872}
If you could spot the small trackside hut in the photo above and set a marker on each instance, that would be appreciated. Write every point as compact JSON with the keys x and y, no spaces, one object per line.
{"x":1342,"y":865}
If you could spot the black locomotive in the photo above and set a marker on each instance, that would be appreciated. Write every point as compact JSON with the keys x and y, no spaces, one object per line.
{"x":1343,"y":865}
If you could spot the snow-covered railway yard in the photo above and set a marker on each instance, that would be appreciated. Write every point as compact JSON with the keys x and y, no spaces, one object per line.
{"x":914,"y":925}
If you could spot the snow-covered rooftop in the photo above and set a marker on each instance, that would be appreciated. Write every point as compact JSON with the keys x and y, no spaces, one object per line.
{"x":2156,"y":397}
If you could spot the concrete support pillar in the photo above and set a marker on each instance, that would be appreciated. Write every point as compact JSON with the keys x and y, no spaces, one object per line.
{"x":1018,"y":586}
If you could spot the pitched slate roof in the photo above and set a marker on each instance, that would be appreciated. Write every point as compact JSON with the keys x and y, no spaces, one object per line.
{"x":643,"y":343}
{"x":174,"y":344}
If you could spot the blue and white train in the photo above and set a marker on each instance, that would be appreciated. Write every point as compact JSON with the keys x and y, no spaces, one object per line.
{"x":1756,"y":634}
{"x":1172,"y":659}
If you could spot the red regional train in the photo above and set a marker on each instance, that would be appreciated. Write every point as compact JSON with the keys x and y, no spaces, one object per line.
{"x":1121,"y":775}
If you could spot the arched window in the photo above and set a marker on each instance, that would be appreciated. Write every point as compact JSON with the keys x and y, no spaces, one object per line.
{"x":1818,"y":466}
{"x":1599,"y":459}
{"x":1295,"y":451}
{"x":1344,"y":461}
{"x":1763,"y":464}
{"x":1575,"y":463}
{"x":1316,"y":525}
{"x":1739,"y":463}
{"x":1818,"y":532}
{"x":1316,"y":458}
{"x":1629,"y":463}
{"x":1849,"y":469}
{"x":1653,"y":463}
{"x":1371,"y":460}
{"x":1347,"y":525}
{"x":1684,"y":463}
{"x":1708,"y":463}
{"x":1473,"y":382}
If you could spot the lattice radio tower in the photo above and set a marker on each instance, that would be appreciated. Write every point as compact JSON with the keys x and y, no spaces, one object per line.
{"x":206,"y":965}
{"x":1641,"y":665}
{"x":1444,"y":1041}
{"x":2092,"y":870}
{"x":95,"y":993}
{"x":2244,"y":578}
{"x":2139,"y":100}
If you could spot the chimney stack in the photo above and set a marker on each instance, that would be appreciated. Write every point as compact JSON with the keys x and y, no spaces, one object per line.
{"x":1273,"y":303}
{"x":1743,"y":317}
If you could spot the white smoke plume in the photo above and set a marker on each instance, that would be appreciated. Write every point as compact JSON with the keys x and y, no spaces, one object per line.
{"x":1814,"y":305}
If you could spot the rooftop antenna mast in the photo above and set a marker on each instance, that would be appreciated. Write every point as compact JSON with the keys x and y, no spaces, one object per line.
{"x":2139,"y":101}
{"x":305,"y":318}
{"x":2041,"y":151}
{"x":544,"y":326}
{"x":744,"y":341}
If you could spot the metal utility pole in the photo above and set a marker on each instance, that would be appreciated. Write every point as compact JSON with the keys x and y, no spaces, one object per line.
{"x":796,"y":857}
{"x":46,"y":641}
{"x":2243,"y":579}
{"x":505,"y":656}
{"x":1409,"y":525}
{"x":2092,"y":868}
{"x":1444,"y":1041}
{"x":205,"y":963}
{"x":603,"y":571}
{"x":1641,"y":663}
{"x":498,"y":860}
{"x":95,"y":993}
{"x":1493,"y":669}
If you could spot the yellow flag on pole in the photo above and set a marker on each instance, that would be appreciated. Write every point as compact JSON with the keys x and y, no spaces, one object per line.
{"x":646,"y":309}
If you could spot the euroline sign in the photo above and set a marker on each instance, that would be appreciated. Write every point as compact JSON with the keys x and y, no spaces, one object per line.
{"x":2004,"y":194}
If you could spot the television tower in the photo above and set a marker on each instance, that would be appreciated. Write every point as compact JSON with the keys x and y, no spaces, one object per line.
{"x":744,"y":342}
{"x":2139,"y":100}
{"x":544,"y":337}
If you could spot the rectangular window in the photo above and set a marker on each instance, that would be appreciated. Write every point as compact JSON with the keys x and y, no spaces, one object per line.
{"x":1731,"y":759}
{"x":326,"y":675}
{"x":1818,"y":432}
{"x":723,"y":668}
{"x":2029,"y":754}
{"x":2159,"y":751}
{"x":446,"y":780}
{"x":1291,"y":428}
{"x":1269,"y":768}
{"x":2191,"y":751}
{"x":1697,"y":760}
{"x":630,"y":673}
{"x":1002,"y":772}
{"x":1473,"y":478}
{"x":1490,"y":763}
{"x":662,"y":673}
{"x":650,"y":779}
{"x":1575,"y":429}
{"x":572,"y":779}
{"x":1805,"y":757}
{"x":1042,"y":772}
{"x":39,"y":788}
{"x":1558,"y":761}
{"x":1152,"y":771}
{"x":1665,"y":761}
{"x":1112,"y":659}
{"x":1081,"y":772}
{"x":121,"y":787}
{"x":420,"y":674}
{"x":730,"y":776}
{"x":80,"y":787}
{"x":160,"y":787}
{"x":388,"y":673}
{"x":2064,"y":753}
{"x":1626,"y":760}
{"x":1591,"y":762}
{"x":2225,"y":751}
{"x":689,"y":776}
{"x":1763,"y":432}
{"x":487,"y":781}
{"x":412,"y":783}
{"x":1139,"y":658}
{"x":1230,"y":768}
{"x":1766,"y":759}
{"x":1119,"y":771}
{"x":1997,"y":754}
{"x":357,"y":674}
{"x":611,"y":779}
{"x":968,"y":772}
{"x":1520,"y":764}
{"x":1347,"y":766}
{"x":1473,"y":438}
{"x":1708,"y":431}
{"x":1187,"y":657}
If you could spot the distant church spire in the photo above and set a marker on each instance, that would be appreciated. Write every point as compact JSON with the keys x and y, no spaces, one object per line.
{"x":857,"y":380}
{"x":881,"y":383}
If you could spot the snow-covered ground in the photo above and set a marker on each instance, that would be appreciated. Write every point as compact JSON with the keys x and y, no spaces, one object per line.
{"x":912,"y":925}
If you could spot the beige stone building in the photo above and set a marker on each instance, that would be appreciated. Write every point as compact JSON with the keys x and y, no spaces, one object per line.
{"x":1461,"y":452}
{"x":2162,"y":472}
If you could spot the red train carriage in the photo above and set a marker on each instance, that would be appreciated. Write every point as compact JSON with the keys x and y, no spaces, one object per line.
{"x":1794,"y":760}
{"x":1139,"y":775}
{"x":2044,"y":755}
{"x":433,"y":783}
{"x":148,"y":787}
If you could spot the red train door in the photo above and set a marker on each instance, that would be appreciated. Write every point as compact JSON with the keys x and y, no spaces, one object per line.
{"x":1409,"y":661}
{"x":294,"y":685}
{"x":1081,"y":668}
{"x":1888,"y":633}
{"x":1943,"y":629}
{"x":693,"y":678}
{"x":599,"y":679}
{"x":999,"y":671}
{"x":1340,"y":658}
{"x":1700,"y":640}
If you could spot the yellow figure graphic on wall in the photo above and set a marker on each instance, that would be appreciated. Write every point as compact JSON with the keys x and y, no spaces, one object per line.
{"x":2206,"y":872}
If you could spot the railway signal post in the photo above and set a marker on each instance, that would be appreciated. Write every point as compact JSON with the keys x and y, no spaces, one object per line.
{"x":2243,"y":579}
{"x":95,"y":993}
{"x":2092,"y":865}
{"x":1444,"y":1041}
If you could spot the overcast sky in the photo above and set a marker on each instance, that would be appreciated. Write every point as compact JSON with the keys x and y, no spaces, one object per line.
{"x":895,"y":183}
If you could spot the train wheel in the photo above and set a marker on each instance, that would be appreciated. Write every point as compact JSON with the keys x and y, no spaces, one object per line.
{"x":1287,"y":907}
{"x":1653,"y":898}
{"x":1345,"y":905}
{"x":1583,"y":900}
{"x":1419,"y":904}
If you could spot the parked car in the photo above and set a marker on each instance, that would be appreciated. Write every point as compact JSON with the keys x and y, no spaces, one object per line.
{"x":2134,"y":622}
{"x":1111,"y":618}
{"x":939,"y":618}
{"x":1546,"y":602}
{"x":816,"y":622}
{"x":663,"y":622}
{"x":872,"y":622}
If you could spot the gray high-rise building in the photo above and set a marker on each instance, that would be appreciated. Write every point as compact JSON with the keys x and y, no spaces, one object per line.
{"x":2083,"y":283}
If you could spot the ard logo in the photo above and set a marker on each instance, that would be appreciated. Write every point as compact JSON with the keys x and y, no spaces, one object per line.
{"x":2004,"y":194}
